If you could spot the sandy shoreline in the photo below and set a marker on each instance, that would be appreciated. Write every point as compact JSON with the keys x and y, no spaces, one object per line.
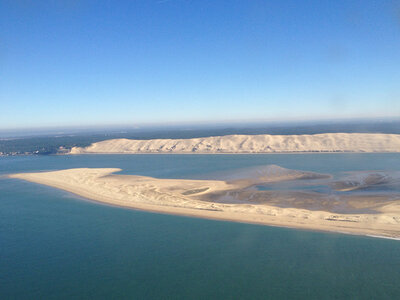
{"x":189,"y":198}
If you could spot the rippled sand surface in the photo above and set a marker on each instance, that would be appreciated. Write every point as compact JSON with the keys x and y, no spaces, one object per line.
{"x":327,"y":142}
{"x":360,"y":203}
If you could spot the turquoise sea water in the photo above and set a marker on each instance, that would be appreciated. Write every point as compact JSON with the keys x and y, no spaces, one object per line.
{"x":56,"y":245}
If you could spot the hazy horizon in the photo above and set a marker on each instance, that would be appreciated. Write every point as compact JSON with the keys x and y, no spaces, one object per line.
{"x":193,"y":126}
{"x":200,"y":149}
{"x":163,"y":62}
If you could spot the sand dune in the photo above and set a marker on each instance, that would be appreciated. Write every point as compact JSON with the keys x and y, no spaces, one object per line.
{"x":328,"y":142}
{"x":235,"y":200}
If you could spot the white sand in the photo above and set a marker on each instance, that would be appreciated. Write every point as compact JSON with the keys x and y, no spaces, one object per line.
{"x":186,"y":197}
{"x":328,"y":142}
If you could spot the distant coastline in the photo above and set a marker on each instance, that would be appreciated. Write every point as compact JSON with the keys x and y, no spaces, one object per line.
{"x":250,"y":144}
{"x":53,"y":141}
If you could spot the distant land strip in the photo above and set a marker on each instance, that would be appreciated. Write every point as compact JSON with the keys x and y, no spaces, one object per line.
{"x":327,"y":142}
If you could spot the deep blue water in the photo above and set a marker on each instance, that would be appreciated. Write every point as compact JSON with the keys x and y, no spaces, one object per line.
{"x":58,"y":246}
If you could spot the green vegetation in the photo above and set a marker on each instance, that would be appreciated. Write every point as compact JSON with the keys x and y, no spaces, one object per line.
{"x":42,"y":145}
{"x":47,"y":145}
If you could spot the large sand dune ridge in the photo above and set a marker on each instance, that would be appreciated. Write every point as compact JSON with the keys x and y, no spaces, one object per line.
{"x":327,"y":142}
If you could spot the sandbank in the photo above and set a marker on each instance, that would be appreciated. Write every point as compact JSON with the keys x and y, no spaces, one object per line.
{"x":233,"y":199}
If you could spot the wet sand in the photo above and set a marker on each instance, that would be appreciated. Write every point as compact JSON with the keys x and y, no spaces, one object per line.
{"x":235,"y":197}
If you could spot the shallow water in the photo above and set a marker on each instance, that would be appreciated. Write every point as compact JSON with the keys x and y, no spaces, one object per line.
{"x":56,"y":245}
{"x":318,"y":188}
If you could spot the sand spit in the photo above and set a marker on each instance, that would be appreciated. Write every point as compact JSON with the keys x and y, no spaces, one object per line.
{"x":328,"y":142}
{"x":234,"y":200}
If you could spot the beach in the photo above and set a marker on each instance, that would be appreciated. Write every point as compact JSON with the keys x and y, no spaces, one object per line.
{"x":228,"y":199}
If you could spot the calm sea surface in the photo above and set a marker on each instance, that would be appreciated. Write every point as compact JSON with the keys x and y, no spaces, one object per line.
{"x":56,"y":245}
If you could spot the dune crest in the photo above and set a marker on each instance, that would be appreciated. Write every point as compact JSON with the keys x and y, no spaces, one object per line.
{"x":327,"y":142}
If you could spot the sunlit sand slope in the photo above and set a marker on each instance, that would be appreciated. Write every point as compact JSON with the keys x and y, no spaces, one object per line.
{"x":328,"y":142}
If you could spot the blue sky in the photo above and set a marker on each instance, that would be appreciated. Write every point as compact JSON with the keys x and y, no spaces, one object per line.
{"x":65,"y":63}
